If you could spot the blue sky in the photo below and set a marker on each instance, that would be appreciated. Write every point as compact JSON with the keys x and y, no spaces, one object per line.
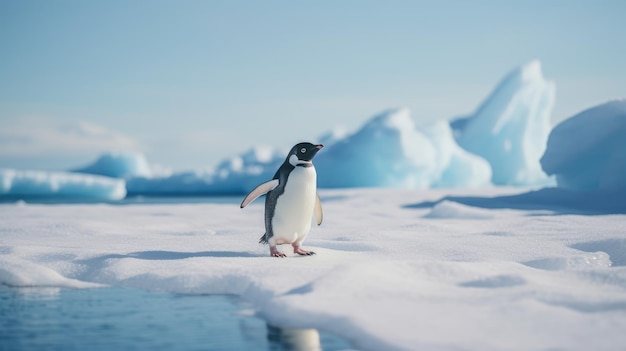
{"x":191,"y":82}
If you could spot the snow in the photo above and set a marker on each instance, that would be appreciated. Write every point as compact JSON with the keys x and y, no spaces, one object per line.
{"x":465,"y":269}
{"x":20,"y":184}
{"x":510,"y":128}
{"x":588,"y":150}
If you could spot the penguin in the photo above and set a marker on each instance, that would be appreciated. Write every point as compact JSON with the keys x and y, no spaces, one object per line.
{"x":291,"y":201}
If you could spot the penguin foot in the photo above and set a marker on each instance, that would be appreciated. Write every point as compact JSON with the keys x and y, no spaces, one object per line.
{"x":301,"y":251}
{"x":275,"y":253}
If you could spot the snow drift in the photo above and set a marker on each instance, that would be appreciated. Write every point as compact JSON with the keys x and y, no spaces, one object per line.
{"x":588,"y":150}
{"x":510,"y":129}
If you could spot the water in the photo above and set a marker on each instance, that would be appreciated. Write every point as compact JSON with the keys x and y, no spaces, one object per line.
{"x":129,"y":319}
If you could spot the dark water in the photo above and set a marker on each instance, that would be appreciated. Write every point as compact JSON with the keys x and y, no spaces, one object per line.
{"x":129,"y":319}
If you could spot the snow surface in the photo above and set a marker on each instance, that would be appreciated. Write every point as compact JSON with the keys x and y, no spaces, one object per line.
{"x":588,"y":150}
{"x":394,"y":270}
{"x":59,"y":185}
{"x":511,"y":127}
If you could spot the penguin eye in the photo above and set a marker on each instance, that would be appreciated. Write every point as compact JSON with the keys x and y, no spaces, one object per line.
{"x":303,"y":150}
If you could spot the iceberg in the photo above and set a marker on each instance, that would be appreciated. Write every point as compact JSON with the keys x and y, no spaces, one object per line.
{"x":181,"y":183}
{"x":588,"y":151}
{"x":455,"y":167}
{"x":388,"y":151}
{"x":511,"y":127}
{"x":235,"y":175}
{"x":119,"y":165}
{"x":19,"y":184}
{"x":243,"y":172}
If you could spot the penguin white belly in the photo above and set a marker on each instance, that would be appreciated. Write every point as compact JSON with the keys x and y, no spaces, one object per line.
{"x":294,"y":208}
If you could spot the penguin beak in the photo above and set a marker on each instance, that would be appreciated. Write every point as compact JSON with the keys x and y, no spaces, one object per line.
{"x":319,"y":146}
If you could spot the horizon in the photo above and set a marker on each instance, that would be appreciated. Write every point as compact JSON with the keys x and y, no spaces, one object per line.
{"x":191,"y":84}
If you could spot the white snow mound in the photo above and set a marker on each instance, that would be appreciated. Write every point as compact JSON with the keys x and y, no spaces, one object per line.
{"x":451,"y":209}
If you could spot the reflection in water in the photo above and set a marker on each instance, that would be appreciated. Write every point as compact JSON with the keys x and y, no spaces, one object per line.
{"x":291,"y":339}
{"x":34,"y":294}
{"x":128,"y":319}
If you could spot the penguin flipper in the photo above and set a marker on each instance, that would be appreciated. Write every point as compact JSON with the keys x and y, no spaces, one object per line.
{"x":258,"y":191}
{"x":318,"y":210}
{"x":263,"y":239}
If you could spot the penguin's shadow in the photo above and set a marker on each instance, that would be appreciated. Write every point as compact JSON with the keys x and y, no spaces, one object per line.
{"x":99,"y":261}
{"x":174,"y":255}
{"x":96,"y":264}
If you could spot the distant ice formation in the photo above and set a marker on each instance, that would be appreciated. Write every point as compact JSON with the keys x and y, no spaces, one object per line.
{"x":119,"y":165}
{"x":235,"y":175}
{"x":388,"y":151}
{"x":510,"y":129}
{"x":243,"y":172}
{"x":501,"y":143}
{"x":59,"y":185}
{"x":588,"y":150}
{"x":455,"y":167}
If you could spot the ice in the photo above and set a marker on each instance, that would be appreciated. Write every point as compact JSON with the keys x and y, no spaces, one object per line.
{"x":384,"y":277}
{"x":21,"y":184}
{"x":390,"y":151}
{"x":387,"y":151}
{"x":235,"y":175}
{"x":180,"y":183}
{"x":502,"y":143}
{"x":119,"y":165}
{"x":455,"y":167}
{"x":510,"y":128}
{"x":588,"y":150}
{"x":242,"y":173}
{"x":332,"y":136}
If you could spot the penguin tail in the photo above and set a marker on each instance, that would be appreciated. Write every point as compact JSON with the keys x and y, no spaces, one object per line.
{"x":263,"y":239}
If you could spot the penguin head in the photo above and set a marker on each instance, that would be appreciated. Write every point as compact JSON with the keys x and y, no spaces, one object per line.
{"x":303,"y":153}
